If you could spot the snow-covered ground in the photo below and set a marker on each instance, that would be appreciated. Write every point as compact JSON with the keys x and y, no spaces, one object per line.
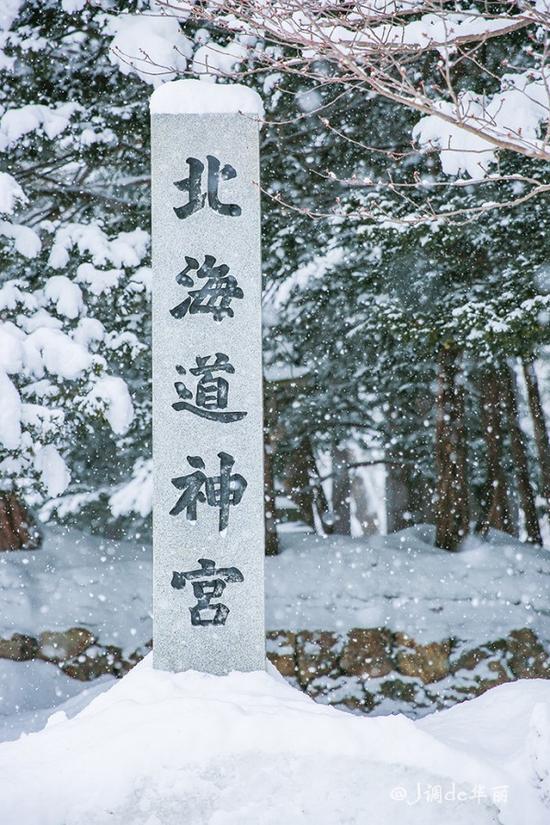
{"x":399,"y":581}
{"x":76,"y":580}
{"x":30,"y":690}
{"x":248,"y":749}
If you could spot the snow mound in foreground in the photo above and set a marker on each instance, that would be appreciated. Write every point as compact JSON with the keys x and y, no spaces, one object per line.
{"x":29,"y":691}
{"x":247,"y":749}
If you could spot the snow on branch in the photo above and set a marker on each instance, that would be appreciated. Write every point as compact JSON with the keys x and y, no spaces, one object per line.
{"x":11,"y":194}
{"x":18,"y":122}
{"x":153,"y":48}
{"x":382,"y":46}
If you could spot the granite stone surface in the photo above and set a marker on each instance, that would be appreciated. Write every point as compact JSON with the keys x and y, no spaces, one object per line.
{"x":208,"y":589}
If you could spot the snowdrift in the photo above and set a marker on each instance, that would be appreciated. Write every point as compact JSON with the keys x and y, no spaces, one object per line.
{"x":248,"y":749}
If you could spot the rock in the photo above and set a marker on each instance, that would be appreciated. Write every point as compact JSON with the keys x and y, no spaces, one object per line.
{"x":477,"y":670}
{"x":281,"y":651}
{"x":123,"y":666}
{"x":403,"y":640}
{"x":399,"y":691}
{"x":369,"y":702}
{"x":98,"y":661}
{"x":341,"y":691}
{"x":367,"y":653}
{"x":58,"y":646}
{"x":458,"y":693}
{"x":277,"y":639}
{"x":498,"y":667}
{"x":501,"y":677}
{"x":363,"y":705}
{"x":430,"y":662}
{"x":316,"y":655}
{"x":499,"y":646}
{"x":528,"y":658}
{"x":286,"y":665}
{"x":469,"y":659}
{"x":19,"y":648}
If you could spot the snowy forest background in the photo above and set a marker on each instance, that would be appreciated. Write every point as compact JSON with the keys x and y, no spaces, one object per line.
{"x":387,"y":339}
{"x":404,"y":177}
{"x":407,"y":282}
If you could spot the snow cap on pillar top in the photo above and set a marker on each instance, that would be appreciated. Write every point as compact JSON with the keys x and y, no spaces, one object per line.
{"x":198,"y":97}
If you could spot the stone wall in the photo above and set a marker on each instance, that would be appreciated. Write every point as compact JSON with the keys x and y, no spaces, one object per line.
{"x":366,"y":670}
{"x":370,"y":668}
{"x":75,"y":651}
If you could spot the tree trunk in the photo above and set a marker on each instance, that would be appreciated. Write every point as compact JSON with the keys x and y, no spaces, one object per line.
{"x":409,"y":496}
{"x":271,"y":537}
{"x":539,"y":426}
{"x":397,"y":494}
{"x":299,"y":474}
{"x":496,"y":511}
{"x":451,"y":506}
{"x":341,"y":491}
{"x":365,"y":511}
{"x":519,"y":454}
{"x":17,"y":529}
{"x":320,"y":501}
{"x":270,"y":446}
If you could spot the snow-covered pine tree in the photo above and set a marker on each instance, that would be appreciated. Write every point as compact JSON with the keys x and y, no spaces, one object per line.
{"x":372,"y":311}
{"x":75,"y":285}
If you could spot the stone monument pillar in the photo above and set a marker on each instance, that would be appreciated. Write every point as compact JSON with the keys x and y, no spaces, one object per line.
{"x":208,"y":533}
